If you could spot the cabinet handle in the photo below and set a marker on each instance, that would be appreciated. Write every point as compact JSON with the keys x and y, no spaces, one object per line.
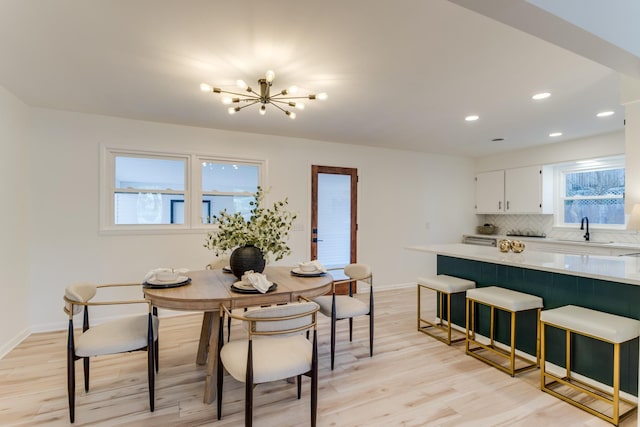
{"x":507,"y":205}
{"x":500,"y":205}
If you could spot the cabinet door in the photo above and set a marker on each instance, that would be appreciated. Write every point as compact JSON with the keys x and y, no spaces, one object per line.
{"x":523,"y":190}
{"x":490,"y":192}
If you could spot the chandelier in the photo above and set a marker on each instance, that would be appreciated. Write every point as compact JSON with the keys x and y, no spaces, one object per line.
{"x":284,"y":98}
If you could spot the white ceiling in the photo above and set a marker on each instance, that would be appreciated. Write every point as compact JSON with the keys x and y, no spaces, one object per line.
{"x":399,"y":73}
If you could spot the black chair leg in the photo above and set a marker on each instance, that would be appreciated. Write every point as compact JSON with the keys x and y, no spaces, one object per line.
{"x":71,"y":375}
{"x":157,"y":343}
{"x":333,"y":329}
{"x":219,"y":372}
{"x":299,"y":382}
{"x":314,"y":381}
{"x":151,"y":377}
{"x":350,"y":329}
{"x":371,"y":334}
{"x":85,"y":363}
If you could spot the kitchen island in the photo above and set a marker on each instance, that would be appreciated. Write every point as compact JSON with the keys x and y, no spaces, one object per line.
{"x":606,"y":283}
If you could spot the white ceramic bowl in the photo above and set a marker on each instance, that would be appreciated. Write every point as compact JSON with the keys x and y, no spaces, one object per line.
{"x":307,"y":267}
{"x":166,"y":276}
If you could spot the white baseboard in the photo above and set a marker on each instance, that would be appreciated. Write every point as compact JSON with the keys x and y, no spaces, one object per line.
{"x":13,"y":343}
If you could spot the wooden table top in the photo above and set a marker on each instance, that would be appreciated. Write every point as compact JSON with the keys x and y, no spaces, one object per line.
{"x":211,"y":288}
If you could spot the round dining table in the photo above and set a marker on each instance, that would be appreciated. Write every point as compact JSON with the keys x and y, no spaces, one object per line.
{"x":208,"y":290}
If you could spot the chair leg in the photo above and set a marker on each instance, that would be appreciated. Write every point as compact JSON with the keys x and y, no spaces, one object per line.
{"x":220,"y":372}
{"x":350,"y":329}
{"x":228,"y":328}
{"x":150,"y":363}
{"x":333,"y":331}
{"x":314,"y":380}
{"x":151,"y":376}
{"x":248,"y":406}
{"x":299,"y":382}
{"x":156,"y":354}
{"x":157,"y":343}
{"x":71,"y":375}
{"x":371,"y":323}
{"x":85,"y":364}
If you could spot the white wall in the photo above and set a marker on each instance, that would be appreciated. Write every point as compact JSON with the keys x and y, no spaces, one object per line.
{"x":14,"y":262}
{"x":399,"y":193}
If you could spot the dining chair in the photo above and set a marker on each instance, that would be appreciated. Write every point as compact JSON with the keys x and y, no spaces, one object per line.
{"x":339,"y":307}
{"x":275,"y":348}
{"x":123,"y":335}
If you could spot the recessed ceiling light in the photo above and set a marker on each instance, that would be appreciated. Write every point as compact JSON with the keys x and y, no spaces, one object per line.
{"x":472,"y":118}
{"x":541,"y":95}
{"x":554,"y":134}
{"x":605,"y":114}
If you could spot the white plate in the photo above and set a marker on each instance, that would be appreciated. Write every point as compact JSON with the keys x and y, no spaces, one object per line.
{"x":179,"y":279}
{"x":306,"y":273}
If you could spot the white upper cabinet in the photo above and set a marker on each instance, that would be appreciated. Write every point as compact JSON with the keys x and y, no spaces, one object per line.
{"x":511,"y":191}
{"x":490,"y":192}
{"x":523,"y":190}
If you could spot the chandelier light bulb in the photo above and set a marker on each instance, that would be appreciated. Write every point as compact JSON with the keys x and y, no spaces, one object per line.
{"x":291,"y":115}
{"x":270,"y":75}
{"x":299,"y":105}
{"x":242,"y":85}
{"x":205,"y":87}
{"x":263,"y":110}
{"x":233,"y":110}
{"x":226,"y":100}
{"x":293,"y":90}
{"x":322,"y":96}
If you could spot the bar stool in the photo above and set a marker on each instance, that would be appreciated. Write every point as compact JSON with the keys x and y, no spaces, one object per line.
{"x":444,"y":286}
{"x":605,"y":327}
{"x":512,"y":302}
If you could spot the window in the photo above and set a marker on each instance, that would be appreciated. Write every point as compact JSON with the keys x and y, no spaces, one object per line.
{"x":593,"y":189}
{"x":227,"y":185}
{"x":159,"y":191}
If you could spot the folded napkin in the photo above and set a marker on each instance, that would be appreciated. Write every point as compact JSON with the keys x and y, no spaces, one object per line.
{"x":259,"y":281}
{"x":318,"y":266}
{"x":152,"y":273}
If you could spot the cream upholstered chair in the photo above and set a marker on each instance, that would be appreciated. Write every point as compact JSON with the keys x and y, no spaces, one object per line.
{"x":275,"y":348}
{"x":123,"y":335}
{"x":339,"y":307}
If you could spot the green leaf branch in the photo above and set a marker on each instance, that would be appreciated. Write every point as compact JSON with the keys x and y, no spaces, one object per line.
{"x":267,"y":229}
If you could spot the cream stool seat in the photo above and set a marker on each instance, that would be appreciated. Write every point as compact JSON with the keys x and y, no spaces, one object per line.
{"x":511,"y":302}
{"x":605,"y":327}
{"x":444,"y":285}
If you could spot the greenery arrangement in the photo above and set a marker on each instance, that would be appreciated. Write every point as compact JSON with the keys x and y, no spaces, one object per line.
{"x":267,"y":229}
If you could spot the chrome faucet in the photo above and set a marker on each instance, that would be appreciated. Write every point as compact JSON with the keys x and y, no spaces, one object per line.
{"x":582,"y":221}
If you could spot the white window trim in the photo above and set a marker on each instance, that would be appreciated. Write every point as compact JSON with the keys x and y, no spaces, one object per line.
{"x":560,"y":170}
{"x":193,"y":191}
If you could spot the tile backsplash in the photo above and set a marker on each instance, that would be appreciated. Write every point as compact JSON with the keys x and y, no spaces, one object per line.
{"x":543,"y":224}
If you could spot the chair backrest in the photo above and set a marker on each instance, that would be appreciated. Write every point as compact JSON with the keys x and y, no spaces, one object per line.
{"x":282,"y":319}
{"x":357,"y":271}
{"x":80,"y":293}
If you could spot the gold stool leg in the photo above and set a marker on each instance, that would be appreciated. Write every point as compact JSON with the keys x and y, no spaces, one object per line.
{"x":512,"y":356}
{"x":616,"y":383}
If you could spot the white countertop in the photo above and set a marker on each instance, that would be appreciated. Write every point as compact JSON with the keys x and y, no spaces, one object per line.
{"x":624,"y":269}
{"x":632,"y":247}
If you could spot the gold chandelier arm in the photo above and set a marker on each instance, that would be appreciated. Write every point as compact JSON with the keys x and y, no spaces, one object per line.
{"x":282,"y":98}
{"x":248,"y":105}
{"x":279,"y":108}
{"x":218,"y":90}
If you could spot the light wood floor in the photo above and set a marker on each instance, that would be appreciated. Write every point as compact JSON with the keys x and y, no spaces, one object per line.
{"x":412,"y":380}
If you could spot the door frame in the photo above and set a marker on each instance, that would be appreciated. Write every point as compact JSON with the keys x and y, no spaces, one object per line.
{"x":353,"y":173}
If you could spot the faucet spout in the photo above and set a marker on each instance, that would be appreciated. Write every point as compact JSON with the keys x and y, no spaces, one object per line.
{"x":582,"y":223}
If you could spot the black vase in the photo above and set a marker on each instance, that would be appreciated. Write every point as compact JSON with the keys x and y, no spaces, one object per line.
{"x":246,"y":258}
